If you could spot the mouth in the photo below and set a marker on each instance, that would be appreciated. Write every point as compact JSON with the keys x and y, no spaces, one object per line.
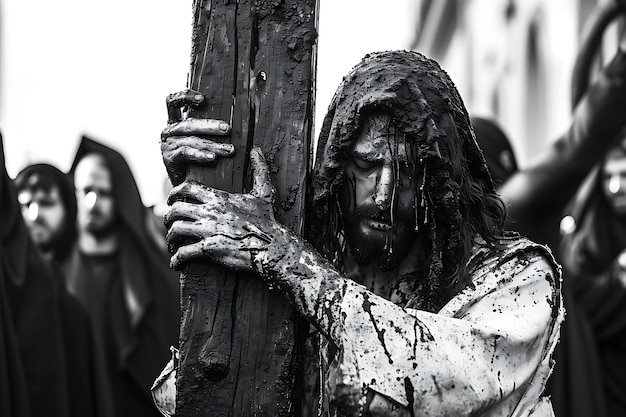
{"x":619,"y":204}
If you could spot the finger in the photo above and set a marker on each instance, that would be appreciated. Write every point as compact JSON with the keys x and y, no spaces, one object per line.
{"x":186,"y":155}
{"x":181,"y":210}
{"x":203,"y":144}
{"x":185,"y":254}
{"x":194,"y":191}
{"x":181,"y":233}
{"x":193,"y":126}
{"x":176,"y":101}
{"x":262,"y":183}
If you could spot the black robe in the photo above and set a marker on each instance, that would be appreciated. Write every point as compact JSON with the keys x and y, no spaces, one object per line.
{"x":33,"y":377}
{"x":591,"y":260}
{"x":88,"y":392}
{"x":142,"y":311}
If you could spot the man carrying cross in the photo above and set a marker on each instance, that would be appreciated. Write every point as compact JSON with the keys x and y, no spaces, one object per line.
{"x":421,"y":303}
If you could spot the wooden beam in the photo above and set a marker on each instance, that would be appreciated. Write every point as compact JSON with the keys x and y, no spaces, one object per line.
{"x":254,"y":60}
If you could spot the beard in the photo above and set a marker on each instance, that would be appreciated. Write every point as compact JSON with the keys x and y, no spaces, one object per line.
{"x":372,"y":236}
{"x":99,"y":225}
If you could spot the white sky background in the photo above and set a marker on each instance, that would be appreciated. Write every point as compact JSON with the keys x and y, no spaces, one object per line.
{"x":69,"y":67}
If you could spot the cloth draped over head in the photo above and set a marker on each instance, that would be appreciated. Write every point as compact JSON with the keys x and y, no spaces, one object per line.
{"x":53,"y":176}
{"x":146,"y":325}
{"x":418,"y":95}
{"x":33,"y":379}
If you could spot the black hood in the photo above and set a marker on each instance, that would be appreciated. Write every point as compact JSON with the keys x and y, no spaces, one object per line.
{"x":497,"y":149}
{"x":125,"y":191}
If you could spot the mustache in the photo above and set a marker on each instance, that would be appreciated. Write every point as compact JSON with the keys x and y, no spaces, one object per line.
{"x":373,"y":212}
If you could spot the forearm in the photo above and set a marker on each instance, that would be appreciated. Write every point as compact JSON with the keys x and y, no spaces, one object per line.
{"x":314,"y":286}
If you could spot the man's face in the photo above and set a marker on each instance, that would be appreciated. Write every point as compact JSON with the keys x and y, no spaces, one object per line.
{"x":378,"y":195}
{"x":614,"y":181}
{"x":44,"y":214}
{"x":94,"y":196}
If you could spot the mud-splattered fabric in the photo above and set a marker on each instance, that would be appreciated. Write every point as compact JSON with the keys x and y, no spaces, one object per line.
{"x":487,"y":352}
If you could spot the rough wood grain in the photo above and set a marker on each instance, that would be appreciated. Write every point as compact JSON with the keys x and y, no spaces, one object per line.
{"x":255,"y":63}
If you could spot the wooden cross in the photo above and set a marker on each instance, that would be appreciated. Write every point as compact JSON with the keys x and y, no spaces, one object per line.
{"x":254,"y":60}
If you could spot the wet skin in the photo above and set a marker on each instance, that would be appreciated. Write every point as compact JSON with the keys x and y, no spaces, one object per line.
{"x":379,"y":192}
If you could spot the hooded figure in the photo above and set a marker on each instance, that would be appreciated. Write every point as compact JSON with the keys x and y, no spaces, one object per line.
{"x":33,"y":378}
{"x":451,"y":316}
{"x":131,"y":293}
{"x":497,"y":149}
{"x":593,"y":253}
{"x":53,"y":217}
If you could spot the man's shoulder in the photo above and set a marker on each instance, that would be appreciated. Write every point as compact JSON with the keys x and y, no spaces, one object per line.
{"x":512,"y":263}
{"x":512,"y":252}
{"x":508,"y":247}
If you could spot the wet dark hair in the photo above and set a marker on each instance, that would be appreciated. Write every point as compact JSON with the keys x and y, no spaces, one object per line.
{"x":45,"y":177}
{"x":459,"y":196}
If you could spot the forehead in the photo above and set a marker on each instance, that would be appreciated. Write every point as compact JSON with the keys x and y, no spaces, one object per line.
{"x":92,"y":169}
{"x":379,"y":137}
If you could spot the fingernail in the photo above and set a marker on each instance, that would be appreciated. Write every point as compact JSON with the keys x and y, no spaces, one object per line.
{"x":223,"y":127}
{"x":198,"y":97}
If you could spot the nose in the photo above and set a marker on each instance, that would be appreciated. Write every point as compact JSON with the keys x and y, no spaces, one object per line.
{"x":384,"y":188}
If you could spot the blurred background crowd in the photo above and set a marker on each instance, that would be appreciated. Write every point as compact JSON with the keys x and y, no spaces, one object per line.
{"x":82,"y":92}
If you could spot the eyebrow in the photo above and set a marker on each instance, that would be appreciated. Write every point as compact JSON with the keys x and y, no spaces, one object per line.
{"x":366,"y":156}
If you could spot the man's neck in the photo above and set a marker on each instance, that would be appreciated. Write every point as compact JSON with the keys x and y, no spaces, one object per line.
{"x":389,"y":284}
{"x":90,"y":244}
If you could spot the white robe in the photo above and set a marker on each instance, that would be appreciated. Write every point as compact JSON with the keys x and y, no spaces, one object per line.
{"x":486,"y":353}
